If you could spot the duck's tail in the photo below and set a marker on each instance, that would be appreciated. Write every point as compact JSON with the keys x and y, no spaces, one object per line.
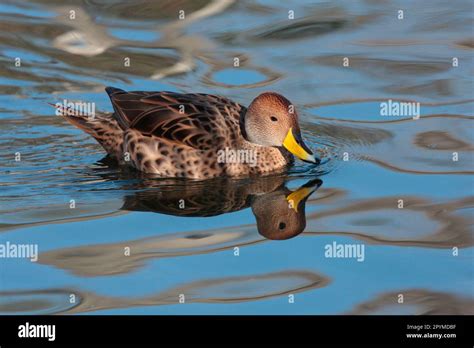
{"x":103,"y":127}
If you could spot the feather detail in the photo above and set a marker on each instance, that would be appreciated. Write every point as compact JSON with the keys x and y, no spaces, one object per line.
{"x":193,"y":120}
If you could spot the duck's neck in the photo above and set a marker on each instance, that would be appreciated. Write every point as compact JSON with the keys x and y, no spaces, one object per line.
{"x":242,"y":124}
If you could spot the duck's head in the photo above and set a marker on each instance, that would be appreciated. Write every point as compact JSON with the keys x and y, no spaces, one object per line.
{"x":271,"y":120}
{"x":280,"y":214}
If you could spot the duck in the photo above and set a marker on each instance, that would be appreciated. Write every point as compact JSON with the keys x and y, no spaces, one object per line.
{"x":196,"y":135}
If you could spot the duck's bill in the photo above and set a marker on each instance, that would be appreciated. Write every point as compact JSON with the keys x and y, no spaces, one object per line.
{"x":294,"y":144}
{"x":301,"y":194}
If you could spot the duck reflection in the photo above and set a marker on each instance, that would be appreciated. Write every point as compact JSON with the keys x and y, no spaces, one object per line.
{"x":279,"y":211}
{"x":281,"y":214}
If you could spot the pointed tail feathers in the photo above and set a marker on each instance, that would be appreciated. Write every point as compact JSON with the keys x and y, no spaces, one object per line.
{"x":102,"y":127}
{"x":76,"y":117}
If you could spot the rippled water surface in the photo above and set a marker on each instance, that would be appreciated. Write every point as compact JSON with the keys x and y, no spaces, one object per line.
{"x":422,"y":250}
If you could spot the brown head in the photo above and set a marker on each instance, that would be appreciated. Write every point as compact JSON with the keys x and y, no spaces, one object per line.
{"x":271,"y":120}
{"x":281,"y":214}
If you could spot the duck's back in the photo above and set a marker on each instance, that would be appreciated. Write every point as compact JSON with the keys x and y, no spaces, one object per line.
{"x":199,"y":121}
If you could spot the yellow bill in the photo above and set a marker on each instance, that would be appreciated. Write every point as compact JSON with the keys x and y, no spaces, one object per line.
{"x":296,"y":197}
{"x":301,"y":151}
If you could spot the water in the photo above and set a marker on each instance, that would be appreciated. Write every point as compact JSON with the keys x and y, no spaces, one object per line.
{"x":370,"y":162}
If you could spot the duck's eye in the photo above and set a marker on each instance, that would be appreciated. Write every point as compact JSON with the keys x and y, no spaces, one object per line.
{"x":282,"y":226}
{"x":273,"y":118}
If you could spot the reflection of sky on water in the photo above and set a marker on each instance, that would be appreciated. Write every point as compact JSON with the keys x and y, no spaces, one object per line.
{"x":385,"y":269}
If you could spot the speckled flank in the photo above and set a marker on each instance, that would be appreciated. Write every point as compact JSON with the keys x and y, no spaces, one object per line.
{"x":151,"y":154}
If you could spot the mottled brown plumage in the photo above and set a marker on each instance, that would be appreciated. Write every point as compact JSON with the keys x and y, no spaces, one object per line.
{"x":279,"y":211}
{"x":195,"y":135}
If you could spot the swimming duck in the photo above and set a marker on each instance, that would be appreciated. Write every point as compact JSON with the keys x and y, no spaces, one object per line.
{"x":197,"y":135}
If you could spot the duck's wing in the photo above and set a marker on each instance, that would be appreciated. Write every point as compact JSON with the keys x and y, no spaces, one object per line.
{"x":200,"y":121}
